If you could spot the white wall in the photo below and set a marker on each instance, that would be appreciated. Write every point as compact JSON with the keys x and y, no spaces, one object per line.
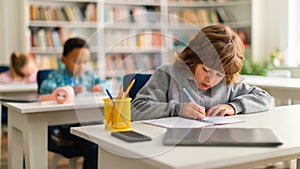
{"x":3,"y":59}
{"x":10,"y":30}
{"x":265,"y":27}
{"x":271,"y":29}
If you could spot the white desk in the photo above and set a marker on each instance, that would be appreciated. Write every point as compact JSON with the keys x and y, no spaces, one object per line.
{"x":14,"y":89}
{"x":28,"y":124}
{"x":21,"y":89}
{"x":283,"y":89}
{"x":115,"y":154}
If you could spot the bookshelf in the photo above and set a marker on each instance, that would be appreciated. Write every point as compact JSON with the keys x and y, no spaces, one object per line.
{"x":132,"y":40}
{"x":48,"y":24}
{"x":128,"y":36}
{"x":138,"y":40}
{"x":187,"y":17}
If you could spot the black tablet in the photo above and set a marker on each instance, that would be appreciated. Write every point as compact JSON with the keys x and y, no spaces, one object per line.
{"x":256,"y":137}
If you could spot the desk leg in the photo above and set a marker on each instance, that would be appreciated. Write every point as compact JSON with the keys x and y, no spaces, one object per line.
{"x":298,"y":163}
{"x":0,"y":129}
{"x":15,"y":147}
{"x":35,"y":143}
{"x":110,"y":160}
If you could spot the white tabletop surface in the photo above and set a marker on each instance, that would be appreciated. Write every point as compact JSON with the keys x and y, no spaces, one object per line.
{"x":280,"y":82}
{"x":283,"y":120}
{"x":80,"y":102}
{"x":18,"y":87}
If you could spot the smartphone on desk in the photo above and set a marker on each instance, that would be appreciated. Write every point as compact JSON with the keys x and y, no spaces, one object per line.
{"x":131,"y":136}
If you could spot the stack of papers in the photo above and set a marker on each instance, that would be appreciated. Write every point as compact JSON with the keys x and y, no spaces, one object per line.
{"x":179,"y":122}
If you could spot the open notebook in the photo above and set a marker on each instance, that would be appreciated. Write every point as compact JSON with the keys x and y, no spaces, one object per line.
{"x":221,"y":137}
{"x":179,"y":122}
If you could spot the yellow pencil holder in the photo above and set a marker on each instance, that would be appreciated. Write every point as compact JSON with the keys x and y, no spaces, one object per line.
{"x":117,"y":114}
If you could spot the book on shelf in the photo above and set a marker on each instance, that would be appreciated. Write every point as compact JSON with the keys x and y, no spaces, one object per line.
{"x":212,"y":15}
{"x":33,"y":12}
{"x":117,"y":64}
{"x":119,"y":40}
{"x":56,"y":40}
{"x":129,"y":64}
{"x":46,"y":62}
{"x":65,"y":13}
{"x":225,"y":16}
{"x":203,"y":16}
{"x":200,"y":16}
{"x":189,"y":16}
{"x":91,"y":12}
{"x":43,"y":38}
{"x":128,"y":14}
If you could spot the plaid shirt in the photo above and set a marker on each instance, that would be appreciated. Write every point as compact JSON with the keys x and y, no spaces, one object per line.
{"x":61,"y":77}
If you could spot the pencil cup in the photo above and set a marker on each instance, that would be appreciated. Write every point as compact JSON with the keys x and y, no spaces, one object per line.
{"x":117,"y":114}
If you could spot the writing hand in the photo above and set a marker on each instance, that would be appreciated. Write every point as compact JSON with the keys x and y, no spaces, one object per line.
{"x":79,"y":89}
{"x":193,"y":110}
{"x":221,"y":110}
{"x":96,"y":88}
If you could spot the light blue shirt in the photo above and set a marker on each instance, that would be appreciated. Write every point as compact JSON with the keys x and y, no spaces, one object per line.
{"x":59,"y":78}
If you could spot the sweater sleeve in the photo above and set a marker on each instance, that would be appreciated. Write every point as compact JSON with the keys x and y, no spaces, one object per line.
{"x":152,"y":100}
{"x":248,"y":99}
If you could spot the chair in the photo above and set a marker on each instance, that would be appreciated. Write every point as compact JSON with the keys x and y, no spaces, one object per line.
{"x":69,"y":152}
{"x":4,"y":68}
{"x":140,"y":81}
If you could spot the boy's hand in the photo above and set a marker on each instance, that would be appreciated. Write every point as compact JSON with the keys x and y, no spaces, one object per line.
{"x":193,"y":110}
{"x":96,"y":88}
{"x":79,"y":89}
{"x":221,"y":110}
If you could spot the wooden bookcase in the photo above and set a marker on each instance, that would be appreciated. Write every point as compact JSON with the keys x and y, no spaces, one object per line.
{"x":129,"y":36}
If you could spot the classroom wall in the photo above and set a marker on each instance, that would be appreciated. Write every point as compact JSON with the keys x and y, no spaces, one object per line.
{"x":2,"y":56}
{"x":10,"y":28}
{"x":265,"y":27}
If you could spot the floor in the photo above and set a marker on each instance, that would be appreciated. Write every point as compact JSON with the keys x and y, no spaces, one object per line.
{"x":62,"y":164}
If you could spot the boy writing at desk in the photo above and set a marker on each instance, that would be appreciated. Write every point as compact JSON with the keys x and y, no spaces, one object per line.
{"x":76,"y":56}
{"x":209,"y":69}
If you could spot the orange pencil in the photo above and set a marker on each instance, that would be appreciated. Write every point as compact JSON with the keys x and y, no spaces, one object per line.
{"x":120,"y":92}
{"x":128,"y":89}
{"x":122,"y":98}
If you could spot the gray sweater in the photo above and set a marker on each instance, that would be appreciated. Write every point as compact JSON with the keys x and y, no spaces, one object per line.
{"x":162,"y":96}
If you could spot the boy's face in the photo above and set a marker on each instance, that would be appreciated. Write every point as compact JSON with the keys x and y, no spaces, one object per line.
{"x":206,"y":77}
{"x":77,"y":60}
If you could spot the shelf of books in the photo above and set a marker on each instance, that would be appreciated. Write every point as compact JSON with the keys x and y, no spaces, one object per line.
{"x":190,"y":16}
{"x":128,"y":36}
{"x":132,"y":37}
{"x":50,"y":23}
{"x":141,"y":35}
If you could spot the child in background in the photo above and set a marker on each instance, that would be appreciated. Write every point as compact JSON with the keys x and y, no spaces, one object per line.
{"x":76,"y":56}
{"x":22,"y":69}
{"x":208,"y":68}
